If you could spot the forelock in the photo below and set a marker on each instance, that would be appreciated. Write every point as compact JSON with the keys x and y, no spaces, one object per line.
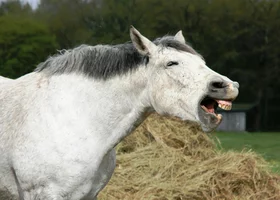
{"x":171,"y":42}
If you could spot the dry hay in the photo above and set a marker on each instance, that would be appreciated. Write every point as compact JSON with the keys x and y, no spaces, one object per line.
{"x":165,"y":159}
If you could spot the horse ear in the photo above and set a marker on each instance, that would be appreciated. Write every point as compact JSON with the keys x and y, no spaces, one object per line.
{"x":141,"y":43}
{"x":179,"y":37}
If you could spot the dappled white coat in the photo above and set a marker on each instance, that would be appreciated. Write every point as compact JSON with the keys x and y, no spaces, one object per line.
{"x":58,"y":133}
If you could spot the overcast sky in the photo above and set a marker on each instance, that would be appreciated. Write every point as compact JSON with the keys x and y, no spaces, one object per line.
{"x":33,"y":3}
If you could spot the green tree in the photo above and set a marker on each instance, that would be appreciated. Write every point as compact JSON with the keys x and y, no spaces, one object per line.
{"x":67,"y":19}
{"x":15,"y":7}
{"x":23,"y":44}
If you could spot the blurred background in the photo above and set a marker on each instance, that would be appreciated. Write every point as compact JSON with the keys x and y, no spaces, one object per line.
{"x":239,"y":39}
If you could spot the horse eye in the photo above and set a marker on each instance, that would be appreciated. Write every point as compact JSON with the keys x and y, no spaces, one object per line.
{"x":172,"y":63}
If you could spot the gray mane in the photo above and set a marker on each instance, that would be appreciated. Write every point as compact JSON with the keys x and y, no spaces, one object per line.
{"x":104,"y":61}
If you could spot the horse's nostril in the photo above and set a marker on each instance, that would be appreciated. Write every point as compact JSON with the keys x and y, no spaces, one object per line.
{"x":218,"y":84}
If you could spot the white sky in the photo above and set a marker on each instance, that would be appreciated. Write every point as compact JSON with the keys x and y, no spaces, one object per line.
{"x":33,"y":3}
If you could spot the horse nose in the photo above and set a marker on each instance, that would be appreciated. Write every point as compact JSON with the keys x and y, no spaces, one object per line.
{"x":221,"y":84}
{"x":236,"y":84}
{"x":223,"y":89}
{"x":214,"y":85}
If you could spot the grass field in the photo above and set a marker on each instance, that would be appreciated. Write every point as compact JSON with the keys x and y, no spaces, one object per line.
{"x":265,"y":144}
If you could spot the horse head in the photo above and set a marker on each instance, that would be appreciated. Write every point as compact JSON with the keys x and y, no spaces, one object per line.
{"x":181,"y":84}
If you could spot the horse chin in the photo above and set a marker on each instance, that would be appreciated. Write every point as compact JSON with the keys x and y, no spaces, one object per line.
{"x":208,"y":121}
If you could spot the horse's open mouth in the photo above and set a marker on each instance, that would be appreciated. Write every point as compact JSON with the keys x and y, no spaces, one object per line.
{"x":210,"y":105}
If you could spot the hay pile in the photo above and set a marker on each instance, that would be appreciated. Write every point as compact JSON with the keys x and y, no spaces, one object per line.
{"x":165,"y":159}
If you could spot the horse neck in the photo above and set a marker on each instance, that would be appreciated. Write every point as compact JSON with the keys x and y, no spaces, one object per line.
{"x":109,"y":108}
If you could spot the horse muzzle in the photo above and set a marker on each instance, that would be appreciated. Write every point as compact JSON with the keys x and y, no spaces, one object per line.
{"x":221,"y":94}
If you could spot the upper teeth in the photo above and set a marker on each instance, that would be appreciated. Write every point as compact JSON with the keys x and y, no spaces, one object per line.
{"x":225,"y":107}
{"x":224,"y":104}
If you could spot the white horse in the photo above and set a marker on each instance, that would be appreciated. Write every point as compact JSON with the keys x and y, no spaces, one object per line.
{"x":4,"y":79}
{"x":59,"y":125}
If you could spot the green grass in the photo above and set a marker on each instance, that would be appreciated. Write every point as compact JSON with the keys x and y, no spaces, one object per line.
{"x":265,"y":144}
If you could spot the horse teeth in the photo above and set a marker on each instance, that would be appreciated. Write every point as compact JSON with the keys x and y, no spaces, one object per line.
{"x":222,"y":106}
{"x":225,"y":107}
{"x":228,"y":107}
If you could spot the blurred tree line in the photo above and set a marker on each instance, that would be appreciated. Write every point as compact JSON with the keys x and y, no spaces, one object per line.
{"x":237,"y":38}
